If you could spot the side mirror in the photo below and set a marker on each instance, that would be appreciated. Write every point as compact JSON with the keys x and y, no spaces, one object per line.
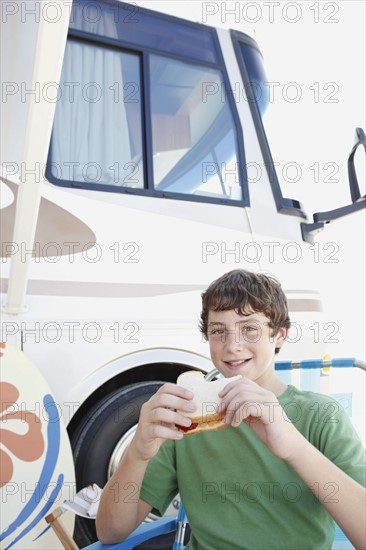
{"x":358,"y":202}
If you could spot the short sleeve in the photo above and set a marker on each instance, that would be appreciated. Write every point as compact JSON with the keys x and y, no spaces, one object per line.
{"x":326,"y":425}
{"x":159,"y":485}
{"x":339,"y":441}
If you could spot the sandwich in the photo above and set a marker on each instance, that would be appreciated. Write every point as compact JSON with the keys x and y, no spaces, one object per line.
{"x":207,"y":416}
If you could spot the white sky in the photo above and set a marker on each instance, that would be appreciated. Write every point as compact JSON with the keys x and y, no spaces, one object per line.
{"x":314,"y":51}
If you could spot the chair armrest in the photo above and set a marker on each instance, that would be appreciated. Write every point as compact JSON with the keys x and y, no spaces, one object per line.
{"x":144,"y":532}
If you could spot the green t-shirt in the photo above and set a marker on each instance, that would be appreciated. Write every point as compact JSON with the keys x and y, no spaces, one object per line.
{"x":238,"y":495}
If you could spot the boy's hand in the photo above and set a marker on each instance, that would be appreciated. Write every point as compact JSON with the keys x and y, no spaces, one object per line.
{"x":158,"y":420}
{"x":246,"y":401}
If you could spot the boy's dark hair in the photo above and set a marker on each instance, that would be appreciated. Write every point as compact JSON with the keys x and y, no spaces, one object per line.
{"x":246,"y":292}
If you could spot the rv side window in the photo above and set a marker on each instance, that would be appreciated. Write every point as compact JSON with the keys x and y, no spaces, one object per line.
{"x":97,"y":132}
{"x":193,"y":132}
{"x":142,"y":109}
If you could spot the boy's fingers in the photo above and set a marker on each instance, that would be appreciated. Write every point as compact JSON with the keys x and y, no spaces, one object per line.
{"x":169,"y":401}
{"x":158,"y":431}
{"x":183,"y":405}
{"x":168,"y":416}
{"x":174,"y":389}
{"x":229,"y":387}
{"x":238,"y":405}
{"x":244,"y":391}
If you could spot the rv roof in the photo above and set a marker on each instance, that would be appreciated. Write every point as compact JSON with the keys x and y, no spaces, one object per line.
{"x":229,"y":16}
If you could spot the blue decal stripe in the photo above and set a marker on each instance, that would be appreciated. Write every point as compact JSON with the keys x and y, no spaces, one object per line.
{"x":53,"y":448}
{"x":42,"y":532}
{"x":42,"y":513}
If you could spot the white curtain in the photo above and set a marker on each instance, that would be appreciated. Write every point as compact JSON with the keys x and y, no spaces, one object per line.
{"x":91,"y":140}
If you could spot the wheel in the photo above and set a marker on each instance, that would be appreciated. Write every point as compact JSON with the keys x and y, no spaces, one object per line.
{"x":99,"y":443}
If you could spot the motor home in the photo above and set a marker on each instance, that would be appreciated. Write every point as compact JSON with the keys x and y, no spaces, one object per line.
{"x":132,"y":176}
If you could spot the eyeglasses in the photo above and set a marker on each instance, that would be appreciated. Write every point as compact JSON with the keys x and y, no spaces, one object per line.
{"x":249,"y":332}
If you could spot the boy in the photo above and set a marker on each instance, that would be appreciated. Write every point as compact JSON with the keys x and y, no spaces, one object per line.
{"x":261,"y":482}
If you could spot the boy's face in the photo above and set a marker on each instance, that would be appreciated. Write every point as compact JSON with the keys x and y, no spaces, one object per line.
{"x":243,"y":344}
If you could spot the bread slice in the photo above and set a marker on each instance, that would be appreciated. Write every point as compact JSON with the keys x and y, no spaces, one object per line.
{"x":206,"y":417}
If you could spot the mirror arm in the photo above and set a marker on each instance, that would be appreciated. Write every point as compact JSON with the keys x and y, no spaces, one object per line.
{"x":321,"y":218}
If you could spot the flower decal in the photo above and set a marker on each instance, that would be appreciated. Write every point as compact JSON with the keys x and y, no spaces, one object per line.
{"x":28,"y":446}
